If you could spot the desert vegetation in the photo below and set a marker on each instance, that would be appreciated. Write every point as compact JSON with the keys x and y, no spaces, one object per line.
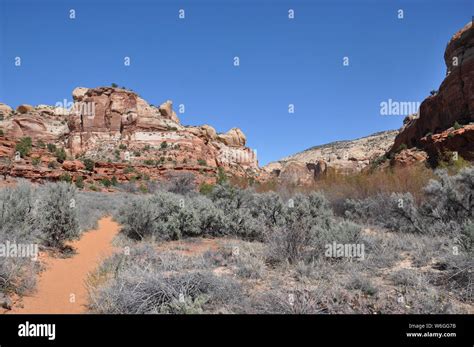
{"x":270,"y":252}
{"x":233,"y":250}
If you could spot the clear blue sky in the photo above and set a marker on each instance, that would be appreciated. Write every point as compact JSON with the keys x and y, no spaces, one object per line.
{"x":282,"y":61}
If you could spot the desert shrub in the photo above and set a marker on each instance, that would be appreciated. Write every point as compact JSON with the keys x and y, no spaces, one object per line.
{"x":153,"y":216}
{"x":182,"y":183}
{"x":60,"y":154}
{"x":140,"y":291}
{"x":408,"y":278}
{"x":221,"y":176}
{"x":306,"y":226}
{"x":2,"y":132}
{"x":338,"y":187}
{"x":122,"y":146}
{"x":206,"y":188}
{"x":114,"y":181}
{"x":165,"y":215}
{"x":79,"y":182}
{"x":396,"y":212}
{"x":17,"y":210}
{"x":448,"y":203}
{"x":51,"y":147}
{"x":164,"y":145}
{"x":89,"y":164}
{"x":245,"y":259}
{"x":202,"y":162}
{"x":297,"y":242}
{"x":293,"y":301}
{"x":65,"y":177}
{"x":106,"y":182}
{"x":57,"y":218}
{"x":211,"y":219}
{"x":268,"y":206}
{"x":145,"y":254}
{"x":359,"y":282}
{"x":24,"y":146}
{"x":236,"y":204}
{"x":450,"y":197}
{"x":17,"y":275}
{"x":35,"y":161}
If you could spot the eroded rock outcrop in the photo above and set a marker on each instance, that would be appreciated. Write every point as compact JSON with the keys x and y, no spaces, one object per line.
{"x":342,"y":156}
{"x":451,"y":106}
{"x":124,"y":135}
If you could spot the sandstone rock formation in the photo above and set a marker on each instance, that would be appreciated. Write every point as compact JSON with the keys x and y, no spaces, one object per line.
{"x":453,"y":103}
{"x":124,"y":135}
{"x":341,"y":156}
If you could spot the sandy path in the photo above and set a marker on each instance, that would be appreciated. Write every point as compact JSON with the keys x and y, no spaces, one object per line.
{"x":63,"y":279}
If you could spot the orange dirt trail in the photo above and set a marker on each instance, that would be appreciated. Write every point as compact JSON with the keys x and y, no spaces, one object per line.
{"x":63,"y":277}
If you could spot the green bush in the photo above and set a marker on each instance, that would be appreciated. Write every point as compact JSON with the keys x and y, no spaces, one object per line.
{"x":206,"y":188}
{"x":128,"y":169}
{"x":221,"y":176}
{"x":80,"y":182}
{"x":65,"y":177}
{"x":164,"y":145}
{"x":457,"y":126}
{"x":202,"y":162}
{"x":24,"y":146}
{"x":35,"y":161}
{"x":60,"y":154}
{"x":122,"y":146}
{"x":89,"y":164}
{"x":51,"y":147}
{"x":106,"y":182}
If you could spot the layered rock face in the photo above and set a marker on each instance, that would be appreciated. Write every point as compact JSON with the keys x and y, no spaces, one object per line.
{"x":117,"y":129}
{"x":342,"y":156}
{"x":453,"y":103}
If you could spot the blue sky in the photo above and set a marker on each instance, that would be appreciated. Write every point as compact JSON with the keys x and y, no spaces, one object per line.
{"x":282,"y":61}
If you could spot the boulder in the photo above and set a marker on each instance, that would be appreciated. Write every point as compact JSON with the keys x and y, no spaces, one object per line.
{"x":73,"y":165}
{"x":24,"y":108}
{"x":234,"y":138}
